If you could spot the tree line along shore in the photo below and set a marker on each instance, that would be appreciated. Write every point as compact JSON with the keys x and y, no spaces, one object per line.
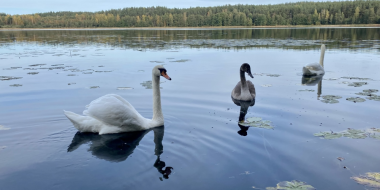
{"x":357,"y":12}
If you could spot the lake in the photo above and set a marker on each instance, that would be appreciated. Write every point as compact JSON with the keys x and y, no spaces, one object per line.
{"x":299,"y":133}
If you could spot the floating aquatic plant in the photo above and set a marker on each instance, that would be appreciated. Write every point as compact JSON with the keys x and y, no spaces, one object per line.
{"x":292,"y":185}
{"x":3,"y":128}
{"x":350,"y":133}
{"x":357,"y":84}
{"x":355,"y":78}
{"x":330,"y":99}
{"x":148,"y":84}
{"x":256,"y":122}
{"x":35,"y":65}
{"x":328,"y":135}
{"x":16,"y":85}
{"x":370,"y":179}
{"x":374,"y":97}
{"x":9,"y":78}
{"x":124,"y":88}
{"x":371,"y":90}
{"x":355,"y":99}
{"x":181,"y":60}
{"x":273,"y":75}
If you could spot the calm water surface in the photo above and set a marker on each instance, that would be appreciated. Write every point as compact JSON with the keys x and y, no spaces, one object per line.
{"x":45,"y":72}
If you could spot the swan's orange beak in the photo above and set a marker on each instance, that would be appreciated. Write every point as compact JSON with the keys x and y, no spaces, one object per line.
{"x":163,"y":73}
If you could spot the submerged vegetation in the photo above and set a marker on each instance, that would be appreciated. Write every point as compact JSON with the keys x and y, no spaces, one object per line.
{"x":300,"y":13}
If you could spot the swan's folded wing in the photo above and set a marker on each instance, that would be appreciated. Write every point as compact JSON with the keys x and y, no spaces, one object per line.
{"x":313,"y":69}
{"x":113,"y":110}
{"x":251,"y":89}
{"x":236,"y":91}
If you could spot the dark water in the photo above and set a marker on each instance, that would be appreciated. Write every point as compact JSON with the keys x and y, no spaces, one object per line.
{"x":43,"y":73}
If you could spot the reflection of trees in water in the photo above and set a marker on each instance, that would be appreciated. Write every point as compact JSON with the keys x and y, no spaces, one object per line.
{"x":118,"y":147}
{"x":303,"y":39}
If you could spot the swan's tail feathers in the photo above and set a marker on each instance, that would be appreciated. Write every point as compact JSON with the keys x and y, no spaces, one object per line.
{"x":84,"y":123}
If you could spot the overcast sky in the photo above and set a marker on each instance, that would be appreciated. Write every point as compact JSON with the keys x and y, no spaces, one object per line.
{"x":38,"y":6}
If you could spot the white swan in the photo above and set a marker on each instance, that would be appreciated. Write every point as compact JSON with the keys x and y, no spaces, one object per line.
{"x":244,"y":90}
{"x":113,"y":114}
{"x":314,"y":69}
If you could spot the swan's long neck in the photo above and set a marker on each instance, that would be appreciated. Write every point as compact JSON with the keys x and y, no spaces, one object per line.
{"x":323,"y":47}
{"x":243,"y":81}
{"x":157,"y":111}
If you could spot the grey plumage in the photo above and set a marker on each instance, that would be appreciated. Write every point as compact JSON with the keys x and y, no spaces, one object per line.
{"x":244,"y":89}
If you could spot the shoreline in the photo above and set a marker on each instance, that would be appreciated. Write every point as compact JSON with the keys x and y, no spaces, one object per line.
{"x":208,"y":27}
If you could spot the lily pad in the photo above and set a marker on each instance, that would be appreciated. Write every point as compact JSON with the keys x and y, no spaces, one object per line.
{"x":256,"y":122}
{"x":3,"y":128}
{"x":9,"y":78}
{"x":181,"y":60}
{"x":15,"y":85}
{"x":355,"y":78}
{"x":371,"y":90}
{"x":365,"y":94}
{"x":374,"y":97}
{"x":330,"y":99}
{"x":273,"y":75}
{"x":351,"y":133}
{"x":292,"y":185}
{"x":124,"y":88}
{"x":354,"y":134}
{"x":328,"y":135}
{"x":357,"y":84}
{"x":355,"y":99}
{"x":148,"y":84}
{"x":370,"y":179}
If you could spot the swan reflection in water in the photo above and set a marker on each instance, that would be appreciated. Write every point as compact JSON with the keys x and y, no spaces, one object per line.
{"x":312,"y":81}
{"x":118,"y":147}
{"x":244,"y":105}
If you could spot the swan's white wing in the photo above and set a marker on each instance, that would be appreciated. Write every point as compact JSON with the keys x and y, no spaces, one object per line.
{"x":113,"y":110}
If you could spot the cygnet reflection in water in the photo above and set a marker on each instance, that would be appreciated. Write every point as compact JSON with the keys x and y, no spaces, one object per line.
{"x":118,"y":147}
{"x":244,"y":105}
{"x":311,"y":80}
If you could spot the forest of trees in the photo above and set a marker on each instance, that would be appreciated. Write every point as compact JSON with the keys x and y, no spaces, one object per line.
{"x":301,"y":13}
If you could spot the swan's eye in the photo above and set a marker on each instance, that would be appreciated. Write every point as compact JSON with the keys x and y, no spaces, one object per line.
{"x":162,"y":71}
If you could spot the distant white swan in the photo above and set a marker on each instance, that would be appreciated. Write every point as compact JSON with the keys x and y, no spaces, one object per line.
{"x":314,"y":69}
{"x":113,"y":114}
{"x":244,"y":89}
